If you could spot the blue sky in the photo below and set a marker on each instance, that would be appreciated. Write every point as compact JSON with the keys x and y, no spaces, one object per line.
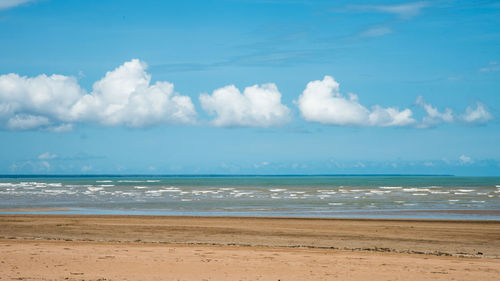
{"x":249,"y":87}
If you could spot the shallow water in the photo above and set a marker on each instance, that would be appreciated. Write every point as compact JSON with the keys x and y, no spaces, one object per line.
{"x":304,"y":196}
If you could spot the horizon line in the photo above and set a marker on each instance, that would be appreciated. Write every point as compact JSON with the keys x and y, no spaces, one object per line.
{"x":218,"y":175}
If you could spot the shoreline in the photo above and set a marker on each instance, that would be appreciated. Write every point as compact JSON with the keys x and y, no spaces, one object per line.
{"x":388,"y":214}
{"x":473,"y":238}
{"x":40,"y":212}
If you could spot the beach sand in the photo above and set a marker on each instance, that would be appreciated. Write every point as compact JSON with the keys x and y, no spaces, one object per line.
{"x":53,"y":247}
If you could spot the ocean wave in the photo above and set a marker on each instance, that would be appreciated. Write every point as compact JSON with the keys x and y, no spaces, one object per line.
{"x":390,"y":187}
{"x":131,"y":181}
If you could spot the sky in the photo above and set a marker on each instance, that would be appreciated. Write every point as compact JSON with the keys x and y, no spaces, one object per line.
{"x":249,"y":87}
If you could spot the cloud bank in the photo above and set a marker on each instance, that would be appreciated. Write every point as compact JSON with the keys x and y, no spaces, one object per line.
{"x":322,"y":102}
{"x":125,"y":96}
{"x":257,"y":106}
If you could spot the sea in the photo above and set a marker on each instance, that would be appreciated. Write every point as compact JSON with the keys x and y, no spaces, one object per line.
{"x":338,"y":196}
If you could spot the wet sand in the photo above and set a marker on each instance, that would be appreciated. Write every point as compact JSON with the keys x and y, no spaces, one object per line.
{"x":56,"y":247}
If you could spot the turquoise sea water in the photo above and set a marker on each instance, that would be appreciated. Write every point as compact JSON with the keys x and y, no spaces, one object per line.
{"x":303,"y":196}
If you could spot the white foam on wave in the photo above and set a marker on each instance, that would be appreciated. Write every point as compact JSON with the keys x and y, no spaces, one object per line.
{"x":170,"y":190}
{"x":153,"y":192}
{"x":55,"y":191}
{"x":380,"y":191}
{"x":153,"y":181}
{"x":277,"y":189}
{"x":140,"y":187}
{"x":439,"y":192}
{"x":335,"y":204}
{"x":414,"y":189}
{"x":94,"y":189}
{"x":325,"y":191}
{"x":104,"y":181}
{"x":419,"y":194}
{"x":453,"y":200}
{"x":390,"y":187}
{"x":132,"y":181}
{"x":106,"y":185}
{"x":465,"y":190}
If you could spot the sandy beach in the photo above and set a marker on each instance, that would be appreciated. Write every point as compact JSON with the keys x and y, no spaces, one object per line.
{"x":64,"y":247}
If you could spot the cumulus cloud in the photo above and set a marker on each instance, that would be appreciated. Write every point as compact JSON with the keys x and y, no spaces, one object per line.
{"x":27,"y":103}
{"x":472,"y":115}
{"x":47,"y":156}
{"x":8,"y":4}
{"x":322,"y":102}
{"x":125,"y":96}
{"x":257,"y":106}
{"x":465,"y":160}
{"x":434,"y":117}
{"x":477,"y":115}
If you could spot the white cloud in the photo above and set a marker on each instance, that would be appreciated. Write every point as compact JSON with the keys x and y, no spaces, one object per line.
{"x":257,"y":106}
{"x":492,"y":67}
{"x":322,"y":102}
{"x":27,"y":103}
{"x":472,"y":115}
{"x":404,"y":11}
{"x":434,"y":117}
{"x":7,"y":4}
{"x":86,"y":168}
{"x":123,"y":97}
{"x":465,"y":160}
{"x":30,"y":166}
{"x":26,"y":122}
{"x":478,"y":115}
{"x":60,"y":128}
{"x":47,"y":156}
{"x":376,"y":31}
